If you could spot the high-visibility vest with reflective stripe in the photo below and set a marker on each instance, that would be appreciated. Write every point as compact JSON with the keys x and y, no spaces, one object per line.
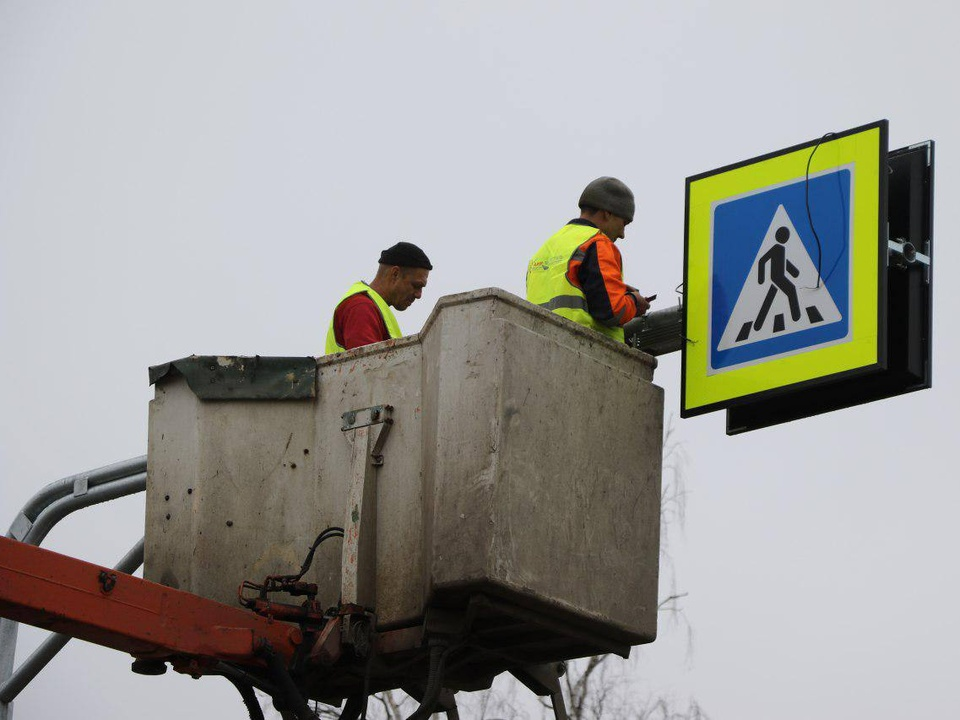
{"x":388,"y":317}
{"x":547,"y":284}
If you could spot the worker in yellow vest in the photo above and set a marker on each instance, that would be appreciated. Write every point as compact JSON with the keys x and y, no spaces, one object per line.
{"x":363,"y":315}
{"x":578,"y":272}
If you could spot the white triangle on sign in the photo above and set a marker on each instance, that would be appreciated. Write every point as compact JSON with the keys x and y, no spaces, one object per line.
{"x":780,"y":295}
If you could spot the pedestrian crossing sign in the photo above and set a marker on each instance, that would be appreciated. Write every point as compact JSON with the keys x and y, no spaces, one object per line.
{"x":782,"y":271}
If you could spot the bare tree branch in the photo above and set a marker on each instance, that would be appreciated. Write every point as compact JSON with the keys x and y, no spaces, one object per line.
{"x":670,"y":599}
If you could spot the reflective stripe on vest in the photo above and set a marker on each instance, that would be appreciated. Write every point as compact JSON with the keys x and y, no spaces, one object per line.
{"x":393,"y":328}
{"x":547,"y":284}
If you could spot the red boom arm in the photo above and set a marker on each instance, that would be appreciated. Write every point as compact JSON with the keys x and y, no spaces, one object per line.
{"x":124,"y":612}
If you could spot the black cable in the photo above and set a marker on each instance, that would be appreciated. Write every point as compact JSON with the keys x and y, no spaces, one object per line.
{"x":255,"y":681}
{"x":249,"y":698}
{"x":806,"y":192}
{"x":352,"y":708}
{"x":325,"y":535}
{"x":438,"y":657}
{"x":291,"y":696}
{"x":366,"y":674}
{"x":846,"y":230}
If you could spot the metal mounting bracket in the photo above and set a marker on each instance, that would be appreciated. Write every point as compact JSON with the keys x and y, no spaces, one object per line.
{"x":381,"y":415}
{"x":904,"y":253}
{"x":544,"y":680}
{"x":368,"y":429}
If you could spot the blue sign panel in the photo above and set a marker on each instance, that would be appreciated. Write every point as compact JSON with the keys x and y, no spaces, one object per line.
{"x":779,"y":284}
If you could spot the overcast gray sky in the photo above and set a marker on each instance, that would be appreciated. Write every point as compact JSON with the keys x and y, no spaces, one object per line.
{"x":208,"y":177}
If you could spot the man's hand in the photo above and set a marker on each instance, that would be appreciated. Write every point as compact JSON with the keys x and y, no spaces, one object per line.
{"x":642,"y":303}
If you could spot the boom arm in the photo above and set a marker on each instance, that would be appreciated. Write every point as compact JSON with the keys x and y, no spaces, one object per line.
{"x":127,"y":613}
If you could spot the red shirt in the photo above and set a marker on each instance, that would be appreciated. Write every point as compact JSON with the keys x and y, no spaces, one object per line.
{"x":357,"y":321}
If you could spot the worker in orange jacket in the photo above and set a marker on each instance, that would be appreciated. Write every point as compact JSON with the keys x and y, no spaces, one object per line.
{"x":578,"y":272}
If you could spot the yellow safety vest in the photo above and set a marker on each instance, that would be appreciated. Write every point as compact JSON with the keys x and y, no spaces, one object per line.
{"x":547,"y":284}
{"x":388,"y":317}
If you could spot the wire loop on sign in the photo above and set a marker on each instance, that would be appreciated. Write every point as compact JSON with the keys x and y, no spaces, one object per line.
{"x":806,"y":192}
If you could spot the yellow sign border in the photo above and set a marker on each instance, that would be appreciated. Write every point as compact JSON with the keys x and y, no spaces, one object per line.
{"x":862,"y":150}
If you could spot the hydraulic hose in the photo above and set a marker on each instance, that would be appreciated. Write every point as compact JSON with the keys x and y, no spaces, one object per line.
{"x":353,"y":707}
{"x":249,"y":698}
{"x":291,"y":696}
{"x":438,"y":657}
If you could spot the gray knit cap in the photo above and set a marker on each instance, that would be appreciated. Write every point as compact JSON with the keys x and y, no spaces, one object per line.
{"x":610,"y":194}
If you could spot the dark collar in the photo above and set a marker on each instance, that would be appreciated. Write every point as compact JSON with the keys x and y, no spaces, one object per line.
{"x":582,"y":221}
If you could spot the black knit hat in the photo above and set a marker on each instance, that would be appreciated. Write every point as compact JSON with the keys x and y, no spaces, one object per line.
{"x":405,"y":254}
{"x":610,"y":194}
